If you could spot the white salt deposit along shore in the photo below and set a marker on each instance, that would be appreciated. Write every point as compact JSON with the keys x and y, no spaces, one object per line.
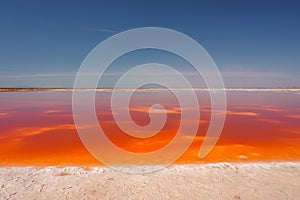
{"x":276,"y":180}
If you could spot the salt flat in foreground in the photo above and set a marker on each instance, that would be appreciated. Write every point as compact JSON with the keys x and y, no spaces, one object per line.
{"x":276,"y":180}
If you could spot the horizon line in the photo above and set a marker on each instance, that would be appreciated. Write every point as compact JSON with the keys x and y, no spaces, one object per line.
{"x":120,"y":89}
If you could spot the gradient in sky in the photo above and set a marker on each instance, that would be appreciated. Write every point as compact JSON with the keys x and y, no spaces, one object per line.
{"x":254,"y":43}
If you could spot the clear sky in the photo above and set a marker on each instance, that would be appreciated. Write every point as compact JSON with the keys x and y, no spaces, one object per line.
{"x":254,"y":43}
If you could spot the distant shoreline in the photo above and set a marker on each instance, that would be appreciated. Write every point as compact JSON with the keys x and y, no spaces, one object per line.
{"x":143,"y":89}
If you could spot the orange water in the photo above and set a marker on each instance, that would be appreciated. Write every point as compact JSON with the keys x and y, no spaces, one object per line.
{"x":37,"y":128}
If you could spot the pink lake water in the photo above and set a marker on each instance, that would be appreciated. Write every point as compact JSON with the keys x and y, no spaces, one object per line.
{"x":37,"y":127}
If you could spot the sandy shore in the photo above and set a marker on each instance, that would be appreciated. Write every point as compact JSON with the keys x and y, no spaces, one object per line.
{"x":206,"y":181}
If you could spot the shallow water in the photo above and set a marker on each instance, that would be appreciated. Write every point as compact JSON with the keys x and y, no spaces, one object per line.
{"x":37,"y":127}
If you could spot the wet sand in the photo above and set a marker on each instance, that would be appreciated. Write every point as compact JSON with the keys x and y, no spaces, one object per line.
{"x":273,"y":180}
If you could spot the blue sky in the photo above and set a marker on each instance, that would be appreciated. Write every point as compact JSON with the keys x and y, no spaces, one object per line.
{"x":254,"y":43}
